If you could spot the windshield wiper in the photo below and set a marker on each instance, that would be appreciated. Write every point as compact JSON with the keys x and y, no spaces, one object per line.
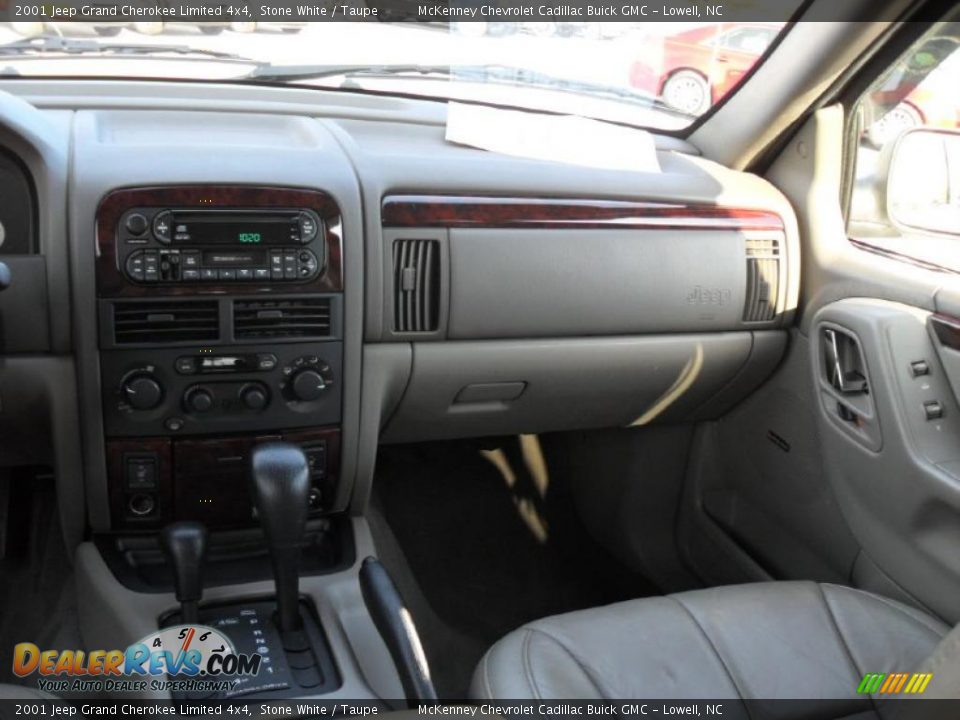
{"x":500,"y":74}
{"x":79,"y":46}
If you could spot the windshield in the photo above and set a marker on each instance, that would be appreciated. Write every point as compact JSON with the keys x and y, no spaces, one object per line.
{"x":657,"y":74}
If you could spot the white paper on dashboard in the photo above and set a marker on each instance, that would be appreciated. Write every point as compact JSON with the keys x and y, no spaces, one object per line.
{"x":560,"y":138}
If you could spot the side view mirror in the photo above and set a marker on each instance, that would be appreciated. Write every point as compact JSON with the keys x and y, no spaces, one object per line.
{"x":923,"y":181}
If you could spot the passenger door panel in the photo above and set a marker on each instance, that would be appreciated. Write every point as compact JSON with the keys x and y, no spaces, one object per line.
{"x":892,"y":451}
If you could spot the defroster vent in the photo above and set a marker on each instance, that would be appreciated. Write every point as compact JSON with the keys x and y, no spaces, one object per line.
{"x":416,"y":286}
{"x":167,"y":321}
{"x":763,"y":279}
{"x":277,"y":319}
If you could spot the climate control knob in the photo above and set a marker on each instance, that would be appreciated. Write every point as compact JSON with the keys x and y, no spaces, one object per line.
{"x":254,"y":397}
{"x":198,"y":400}
{"x":142,"y":392}
{"x":308,"y":385}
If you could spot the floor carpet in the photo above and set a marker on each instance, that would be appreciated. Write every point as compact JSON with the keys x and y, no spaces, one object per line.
{"x":493,"y":541}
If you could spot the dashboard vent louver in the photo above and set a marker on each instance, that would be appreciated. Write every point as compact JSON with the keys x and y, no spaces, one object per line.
{"x":276,"y":319}
{"x":763,"y":279}
{"x":167,"y":321}
{"x":416,"y":286}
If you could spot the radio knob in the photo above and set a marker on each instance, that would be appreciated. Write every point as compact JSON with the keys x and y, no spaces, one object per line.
{"x":198,"y":400}
{"x":136,"y":224}
{"x":253,"y":397}
{"x":308,"y":385}
{"x":142,"y":392}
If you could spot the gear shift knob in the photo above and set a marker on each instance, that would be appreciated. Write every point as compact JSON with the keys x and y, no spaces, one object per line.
{"x":281,"y":485}
{"x":185,"y":545}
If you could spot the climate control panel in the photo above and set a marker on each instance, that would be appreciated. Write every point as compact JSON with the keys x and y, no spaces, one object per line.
{"x":198,"y":391}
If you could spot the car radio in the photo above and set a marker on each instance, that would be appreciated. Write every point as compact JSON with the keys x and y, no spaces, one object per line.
{"x":204,"y":245}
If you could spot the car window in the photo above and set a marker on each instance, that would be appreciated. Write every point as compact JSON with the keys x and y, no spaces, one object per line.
{"x":661,"y":75}
{"x":905,"y":198}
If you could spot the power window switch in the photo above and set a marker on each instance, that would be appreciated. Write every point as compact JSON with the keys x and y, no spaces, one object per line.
{"x":933,"y":410}
{"x":919,"y":368}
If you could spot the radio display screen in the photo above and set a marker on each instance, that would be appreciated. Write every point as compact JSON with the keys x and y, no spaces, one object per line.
{"x":235,"y":229}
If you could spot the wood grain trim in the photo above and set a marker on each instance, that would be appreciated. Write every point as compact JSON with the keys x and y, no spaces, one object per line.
{"x":111,"y":282}
{"x":947,"y":330}
{"x":502,"y":212}
{"x":193,"y":466}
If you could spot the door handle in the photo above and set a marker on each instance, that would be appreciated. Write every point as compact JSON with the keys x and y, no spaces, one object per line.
{"x":846,"y":382}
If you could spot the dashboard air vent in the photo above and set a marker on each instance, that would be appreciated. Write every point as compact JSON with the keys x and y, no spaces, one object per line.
{"x":763,"y":279}
{"x":276,"y":319}
{"x":416,"y":286}
{"x":167,"y":321}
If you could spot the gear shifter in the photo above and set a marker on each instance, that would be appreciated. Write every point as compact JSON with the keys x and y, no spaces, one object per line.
{"x":185,"y":545}
{"x":281,"y":484}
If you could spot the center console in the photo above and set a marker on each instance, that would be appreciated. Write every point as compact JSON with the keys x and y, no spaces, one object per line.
{"x":220,"y":328}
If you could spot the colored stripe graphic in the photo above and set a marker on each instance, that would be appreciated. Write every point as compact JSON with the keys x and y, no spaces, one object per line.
{"x":871,"y":683}
{"x":894,"y":683}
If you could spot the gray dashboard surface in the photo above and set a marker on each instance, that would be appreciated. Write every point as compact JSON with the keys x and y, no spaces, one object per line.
{"x":542,"y":283}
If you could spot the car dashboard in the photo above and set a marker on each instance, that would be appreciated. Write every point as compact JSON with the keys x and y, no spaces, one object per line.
{"x":440,"y":291}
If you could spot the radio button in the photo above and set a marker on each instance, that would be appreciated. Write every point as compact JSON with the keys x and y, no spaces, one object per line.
{"x":161,"y":227}
{"x":228,"y":274}
{"x":135,"y":266}
{"x":151,"y":270}
{"x":191,"y":260}
{"x":308,"y":228}
{"x":208,"y":274}
{"x":191,"y":275}
{"x":261,"y":273}
{"x":244,"y":274}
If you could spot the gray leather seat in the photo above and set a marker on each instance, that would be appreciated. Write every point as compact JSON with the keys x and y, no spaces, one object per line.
{"x":765,"y":640}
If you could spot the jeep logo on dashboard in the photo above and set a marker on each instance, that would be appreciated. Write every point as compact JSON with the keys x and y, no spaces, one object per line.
{"x":700,"y":295}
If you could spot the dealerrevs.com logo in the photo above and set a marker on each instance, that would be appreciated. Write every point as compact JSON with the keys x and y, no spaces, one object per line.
{"x":180,"y":658}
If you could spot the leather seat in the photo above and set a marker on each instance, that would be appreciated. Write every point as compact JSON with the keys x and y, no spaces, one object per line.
{"x":764,"y":640}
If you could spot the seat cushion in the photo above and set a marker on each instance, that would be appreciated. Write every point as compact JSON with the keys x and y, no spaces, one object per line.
{"x":764,"y":640}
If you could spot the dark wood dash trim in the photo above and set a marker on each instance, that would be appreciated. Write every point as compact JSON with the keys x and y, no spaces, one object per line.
{"x":111,"y":282}
{"x":947,"y":329}
{"x":503,"y":212}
